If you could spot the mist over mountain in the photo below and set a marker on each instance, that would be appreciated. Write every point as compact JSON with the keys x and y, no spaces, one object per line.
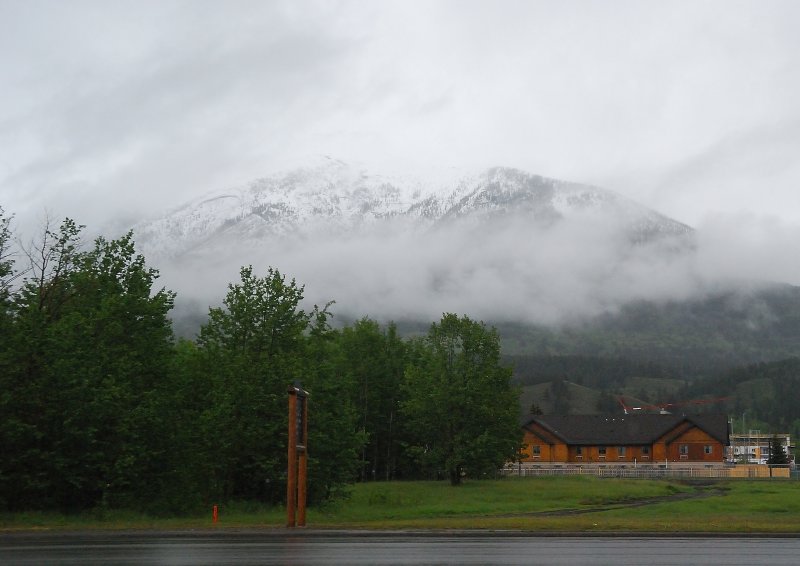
{"x":500,"y":244}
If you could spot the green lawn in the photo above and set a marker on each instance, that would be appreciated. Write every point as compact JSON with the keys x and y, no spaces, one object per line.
{"x":512,"y":503}
{"x":412,"y":501}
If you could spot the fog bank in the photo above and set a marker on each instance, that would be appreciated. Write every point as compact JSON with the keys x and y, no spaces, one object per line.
{"x":512,"y":270}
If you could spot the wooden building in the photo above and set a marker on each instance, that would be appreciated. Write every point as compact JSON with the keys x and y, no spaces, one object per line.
{"x":626,"y":439}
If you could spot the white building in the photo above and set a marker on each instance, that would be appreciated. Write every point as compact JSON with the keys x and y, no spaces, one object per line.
{"x":754,"y":447}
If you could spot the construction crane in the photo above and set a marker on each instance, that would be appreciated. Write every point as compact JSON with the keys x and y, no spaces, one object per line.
{"x":662,"y":407}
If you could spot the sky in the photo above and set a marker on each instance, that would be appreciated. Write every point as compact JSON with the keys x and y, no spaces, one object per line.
{"x":112,"y":111}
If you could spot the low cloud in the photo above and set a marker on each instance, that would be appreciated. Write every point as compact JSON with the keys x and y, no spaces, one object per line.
{"x":508,"y":270}
{"x":748,"y":247}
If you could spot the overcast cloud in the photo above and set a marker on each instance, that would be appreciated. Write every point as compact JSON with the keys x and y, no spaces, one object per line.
{"x":114,"y":110}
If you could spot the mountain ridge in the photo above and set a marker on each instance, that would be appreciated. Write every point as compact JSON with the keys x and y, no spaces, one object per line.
{"x":558,"y":267}
{"x":336,"y":198}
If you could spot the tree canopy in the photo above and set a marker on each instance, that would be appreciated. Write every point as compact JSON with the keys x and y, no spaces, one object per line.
{"x":88,"y":338}
{"x":460,"y":406}
{"x":103,"y":408}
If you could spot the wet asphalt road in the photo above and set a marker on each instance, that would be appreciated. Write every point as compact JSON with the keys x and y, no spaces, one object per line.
{"x":287,"y":548}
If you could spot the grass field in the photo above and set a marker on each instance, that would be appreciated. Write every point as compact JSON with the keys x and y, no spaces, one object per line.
{"x":534,"y":504}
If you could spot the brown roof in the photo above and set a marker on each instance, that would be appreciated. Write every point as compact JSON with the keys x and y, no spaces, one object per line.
{"x":625,"y":429}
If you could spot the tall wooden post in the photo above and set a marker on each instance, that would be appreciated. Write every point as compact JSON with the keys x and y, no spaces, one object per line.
{"x":303,"y":465}
{"x":298,"y":457}
{"x":291,"y":478}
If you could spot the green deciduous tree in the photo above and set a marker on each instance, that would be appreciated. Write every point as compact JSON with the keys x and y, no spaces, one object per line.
{"x":90,"y":339}
{"x":7,"y":395}
{"x":252,"y":349}
{"x":6,"y":277}
{"x":6,"y":259}
{"x":31,"y":422}
{"x":335,"y":441}
{"x":460,"y":407}
{"x":374,"y":360}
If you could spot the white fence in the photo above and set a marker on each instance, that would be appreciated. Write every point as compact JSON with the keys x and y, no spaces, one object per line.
{"x":717,"y":472}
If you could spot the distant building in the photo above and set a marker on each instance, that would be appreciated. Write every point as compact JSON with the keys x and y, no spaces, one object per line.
{"x":754,"y":447}
{"x":640,"y":439}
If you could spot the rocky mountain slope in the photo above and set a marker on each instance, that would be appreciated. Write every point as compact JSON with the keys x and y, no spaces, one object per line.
{"x":333,"y":198}
{"x":560,"y":268}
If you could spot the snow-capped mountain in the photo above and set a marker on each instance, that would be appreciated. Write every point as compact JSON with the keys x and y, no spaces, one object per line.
{"x":335,"y":199}
{"x":500,"y":245}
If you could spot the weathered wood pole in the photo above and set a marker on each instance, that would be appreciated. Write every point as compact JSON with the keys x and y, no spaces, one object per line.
{"x":303,"y":464}
{"x":291,"y":478}
{"x":298,"y":457}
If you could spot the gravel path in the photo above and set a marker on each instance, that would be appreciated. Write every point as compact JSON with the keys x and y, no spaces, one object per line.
{"x":700,"y":492}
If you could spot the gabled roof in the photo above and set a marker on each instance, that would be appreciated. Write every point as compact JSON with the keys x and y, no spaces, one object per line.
{"x":716,"y":426}
{"x":625,"y":429}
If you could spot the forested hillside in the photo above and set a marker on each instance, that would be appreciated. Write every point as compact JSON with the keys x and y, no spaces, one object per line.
{"x":688,"y":340}
{"x":591,"y":371}
{"x":759,"y":396}
{"x":763,"y":393}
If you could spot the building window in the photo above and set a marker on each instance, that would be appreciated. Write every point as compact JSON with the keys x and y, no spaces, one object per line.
{"x":684,"y":450}
{"x":579,"y":451}
{"x":537,"y":451}
{"x":708,"y":449}
{"x":620,"y":451}
{"x":601,"y":451}
{"x":646,"y":451}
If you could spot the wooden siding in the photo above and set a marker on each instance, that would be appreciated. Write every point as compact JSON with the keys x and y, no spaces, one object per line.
{"x":668,"y":447}
{"x":695,"y":441}
{"x":549,"y":451}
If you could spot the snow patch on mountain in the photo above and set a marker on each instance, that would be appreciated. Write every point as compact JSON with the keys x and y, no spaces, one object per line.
{"x":337,"y":199}
{"x":498,"y":244}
